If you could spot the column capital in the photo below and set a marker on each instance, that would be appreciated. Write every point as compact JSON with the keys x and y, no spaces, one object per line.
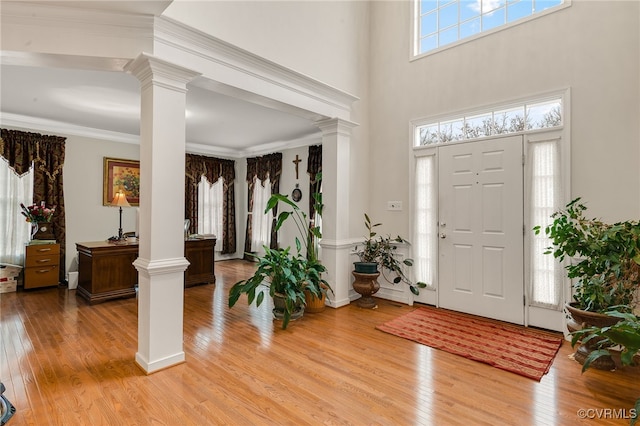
{"x":335,"y":125}
{"x":152,"y":70}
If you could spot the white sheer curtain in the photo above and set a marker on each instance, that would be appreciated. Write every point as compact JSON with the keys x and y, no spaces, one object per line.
{"x":15,"y":231}
{"x":425,"y":227}
{"x":210,"y":199}
{"x":261,"y":222}
{"x":546,"y":197}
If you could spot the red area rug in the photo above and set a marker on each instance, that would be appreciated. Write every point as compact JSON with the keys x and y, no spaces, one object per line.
{"x":520,"y":350}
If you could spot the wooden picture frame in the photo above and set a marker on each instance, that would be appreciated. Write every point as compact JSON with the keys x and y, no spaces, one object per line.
{"x":122,"y":174}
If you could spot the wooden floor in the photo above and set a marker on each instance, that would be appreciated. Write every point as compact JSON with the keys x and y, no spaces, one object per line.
{"x":67,"y":363}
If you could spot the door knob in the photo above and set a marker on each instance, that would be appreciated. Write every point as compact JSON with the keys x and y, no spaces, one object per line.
{"x":443,"y":235}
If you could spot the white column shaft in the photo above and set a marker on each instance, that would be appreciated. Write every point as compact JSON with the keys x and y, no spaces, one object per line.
{"x":161,"y":263}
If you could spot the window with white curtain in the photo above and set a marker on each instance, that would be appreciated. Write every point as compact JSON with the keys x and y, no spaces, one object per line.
{"x":425,"y":220}
{"x":15,"y":231}
{"x":545,"y":198}
{"x":210,"y":201}
{"x":261,"y":222}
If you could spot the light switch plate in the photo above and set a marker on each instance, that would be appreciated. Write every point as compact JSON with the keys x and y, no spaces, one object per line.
{"x":394,"y":205}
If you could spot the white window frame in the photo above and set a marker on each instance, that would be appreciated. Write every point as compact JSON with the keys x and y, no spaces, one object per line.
{"x":415,"y":29}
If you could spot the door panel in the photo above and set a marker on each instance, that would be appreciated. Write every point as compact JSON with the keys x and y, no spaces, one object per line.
{"x":480,"y":225}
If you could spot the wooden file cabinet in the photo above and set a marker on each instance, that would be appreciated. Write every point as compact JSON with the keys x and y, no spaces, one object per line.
{"x":41,"y":266}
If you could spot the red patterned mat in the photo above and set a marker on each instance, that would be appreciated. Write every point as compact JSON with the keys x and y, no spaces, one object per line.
{"x":524,"y":351}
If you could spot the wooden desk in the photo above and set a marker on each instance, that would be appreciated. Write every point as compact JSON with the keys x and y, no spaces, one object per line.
{"x":106,"y":271}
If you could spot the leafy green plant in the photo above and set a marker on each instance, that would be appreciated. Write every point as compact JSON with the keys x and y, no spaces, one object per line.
{"x":382,"y":249}
{"x":625,"y":334}
{"x":606,"y":257}
{"x":282,"y":272}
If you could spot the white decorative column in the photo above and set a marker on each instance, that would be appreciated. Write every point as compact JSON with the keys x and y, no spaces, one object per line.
{"x":336,"y":139}
{"x":161,"y":263}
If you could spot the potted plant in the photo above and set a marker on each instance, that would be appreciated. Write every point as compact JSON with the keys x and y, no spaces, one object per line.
{"x":290,"y":277}
{"x":605,"y":267}
{"x":284,"y":276}
{"x":624,"y":333}
{"x":380,"y":251}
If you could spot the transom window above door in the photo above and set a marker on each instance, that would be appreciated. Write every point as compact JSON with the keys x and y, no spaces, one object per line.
{"x":513,"y":118}
{"x":440,"y":23}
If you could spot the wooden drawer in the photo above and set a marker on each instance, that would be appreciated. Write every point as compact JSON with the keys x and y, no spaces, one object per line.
{"x":44,"y":249}
{"x":40,"y":276}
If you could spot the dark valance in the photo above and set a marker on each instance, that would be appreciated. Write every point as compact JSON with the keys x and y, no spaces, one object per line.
{"x":20,"y":149}
{"x":210,"y":167}
{"x":269,"y":165}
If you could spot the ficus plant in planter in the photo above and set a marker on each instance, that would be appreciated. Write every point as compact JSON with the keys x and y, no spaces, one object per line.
{"x":606,"y":258}
{"x":605,"y":268}
{"x":380,"y":251}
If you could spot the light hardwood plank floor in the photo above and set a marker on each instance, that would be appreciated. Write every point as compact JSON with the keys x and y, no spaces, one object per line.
{"x":67,"y":363}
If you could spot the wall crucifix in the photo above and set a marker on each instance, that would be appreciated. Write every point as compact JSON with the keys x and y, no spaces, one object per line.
{"x":296,"y":162}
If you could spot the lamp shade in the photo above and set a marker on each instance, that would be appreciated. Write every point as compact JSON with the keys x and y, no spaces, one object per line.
{"x":120,"y":200}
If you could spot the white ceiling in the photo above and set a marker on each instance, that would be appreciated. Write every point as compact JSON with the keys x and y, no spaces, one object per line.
{"x":110,"y":101}
{"x":76,"y":95}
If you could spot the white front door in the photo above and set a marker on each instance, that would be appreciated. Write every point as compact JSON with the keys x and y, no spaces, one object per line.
{"x":480,"y":265}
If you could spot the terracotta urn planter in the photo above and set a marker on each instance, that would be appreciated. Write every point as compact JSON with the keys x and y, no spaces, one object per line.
{"x":366,"y":285}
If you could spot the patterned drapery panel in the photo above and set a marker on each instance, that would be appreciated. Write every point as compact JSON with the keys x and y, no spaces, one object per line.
{"x":314,"y":166}
{"x":21,"y":149}
{"x":212,"y":168}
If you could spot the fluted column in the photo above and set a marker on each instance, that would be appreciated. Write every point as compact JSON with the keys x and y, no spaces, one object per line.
{"x":161,"y":262}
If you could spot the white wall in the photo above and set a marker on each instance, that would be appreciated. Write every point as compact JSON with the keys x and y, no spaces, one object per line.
{"x":288,"y":181}
{"x":591,"y":47}
{"x":87,"y":219}
{"x":327,"y":40}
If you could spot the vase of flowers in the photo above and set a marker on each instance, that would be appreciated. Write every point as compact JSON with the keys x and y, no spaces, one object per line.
{"x":39,"y":215}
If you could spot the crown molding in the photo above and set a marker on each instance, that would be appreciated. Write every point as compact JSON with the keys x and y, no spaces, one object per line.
{"x":53,"y":126}
{"x":192,"y":42}
{"x":57,"y":127}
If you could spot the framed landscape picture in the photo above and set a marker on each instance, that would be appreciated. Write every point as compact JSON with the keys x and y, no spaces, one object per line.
{"x":122,"y":175}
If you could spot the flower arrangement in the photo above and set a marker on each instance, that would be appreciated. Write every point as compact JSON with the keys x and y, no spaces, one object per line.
{"x":38,"y":212}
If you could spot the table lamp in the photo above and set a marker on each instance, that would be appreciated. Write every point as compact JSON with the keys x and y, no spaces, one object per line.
{"x":120,"y":200}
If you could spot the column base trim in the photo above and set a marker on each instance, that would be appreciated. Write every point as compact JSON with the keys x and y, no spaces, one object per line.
{"x":161,"y":364}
